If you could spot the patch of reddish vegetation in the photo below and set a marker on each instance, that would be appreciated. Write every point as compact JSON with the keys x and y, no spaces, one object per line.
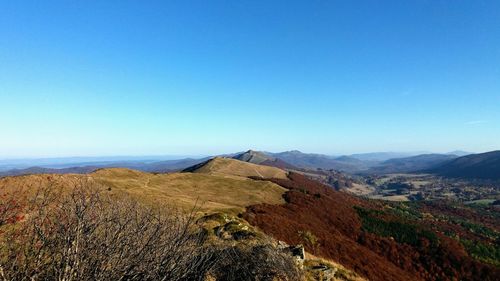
{"x":443,"y":227}
{"x":10,"y":210}
{"x":442,"y":208}
{"x":329,"y":215}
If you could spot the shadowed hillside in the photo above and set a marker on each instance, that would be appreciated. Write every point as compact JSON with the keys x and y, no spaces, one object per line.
{"x":315,"y":161}
{"x":475,"y":166}
{"x":257,"y":157}
{"x":411,"y":164}
{"x":253,"y":156}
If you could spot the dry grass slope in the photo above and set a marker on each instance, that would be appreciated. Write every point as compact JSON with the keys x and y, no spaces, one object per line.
{"x":232,"y":167}
{"x":212,"y":192}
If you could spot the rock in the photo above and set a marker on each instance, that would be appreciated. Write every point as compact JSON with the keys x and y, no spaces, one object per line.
{"x":297,"y":252}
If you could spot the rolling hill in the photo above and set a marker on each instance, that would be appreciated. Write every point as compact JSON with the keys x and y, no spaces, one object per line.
{"x":233,"y":167}
{"x":485,"y":166}
{"x":212,"y":192}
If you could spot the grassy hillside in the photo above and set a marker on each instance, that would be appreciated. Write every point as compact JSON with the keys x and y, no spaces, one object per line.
{"x":212,"y":192}
{"x":232,"y":167}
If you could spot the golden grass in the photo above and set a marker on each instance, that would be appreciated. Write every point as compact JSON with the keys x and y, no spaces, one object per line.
{"x":342,"y":273}
{"x":232,"y":167}
{"x":211,"y":192}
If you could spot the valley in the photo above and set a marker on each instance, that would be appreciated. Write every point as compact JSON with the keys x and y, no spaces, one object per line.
{"x":418,"y":187}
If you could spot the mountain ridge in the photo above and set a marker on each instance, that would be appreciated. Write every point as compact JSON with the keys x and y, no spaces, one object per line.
{"x":484,"y":166}
{"x":234,"y":167}
{"x":411,"y":164}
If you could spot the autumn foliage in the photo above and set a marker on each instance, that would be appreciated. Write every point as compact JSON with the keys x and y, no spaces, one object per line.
{"x":334,"y":218}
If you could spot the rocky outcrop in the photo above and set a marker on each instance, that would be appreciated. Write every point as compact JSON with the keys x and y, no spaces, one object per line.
{"x":297,"y":252}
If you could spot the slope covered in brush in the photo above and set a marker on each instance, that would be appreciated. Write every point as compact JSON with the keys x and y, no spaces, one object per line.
{"x":373,"y":238}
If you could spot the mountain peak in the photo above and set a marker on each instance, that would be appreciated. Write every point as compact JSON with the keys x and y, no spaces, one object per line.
{"x":294,"y":151}
{"x":253,"y":156}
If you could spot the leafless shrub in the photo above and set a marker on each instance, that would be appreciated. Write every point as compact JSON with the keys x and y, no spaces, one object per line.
{"x":87,"y":235}
{"x":259,"y":262}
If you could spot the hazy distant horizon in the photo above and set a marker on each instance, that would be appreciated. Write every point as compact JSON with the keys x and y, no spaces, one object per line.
{"x":185,"y":153}
{"x":171,"y":156}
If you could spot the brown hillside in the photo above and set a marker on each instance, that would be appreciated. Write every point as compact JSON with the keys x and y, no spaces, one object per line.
{"x":233,"y":167}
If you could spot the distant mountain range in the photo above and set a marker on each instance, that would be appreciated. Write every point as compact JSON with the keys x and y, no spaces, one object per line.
{"x":383,"y":156}
{"x":42,"y":170}
{"x":410,"y":164}
{"x":476,"y":166}
{"x":480,"y":166}
{"x":459,"y":153}
{"x":82,"y":168}
{"x":320,"y":161}
{"x":67,"y":162}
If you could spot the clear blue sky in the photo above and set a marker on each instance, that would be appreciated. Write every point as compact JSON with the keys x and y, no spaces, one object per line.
{"x":204,"y":77}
